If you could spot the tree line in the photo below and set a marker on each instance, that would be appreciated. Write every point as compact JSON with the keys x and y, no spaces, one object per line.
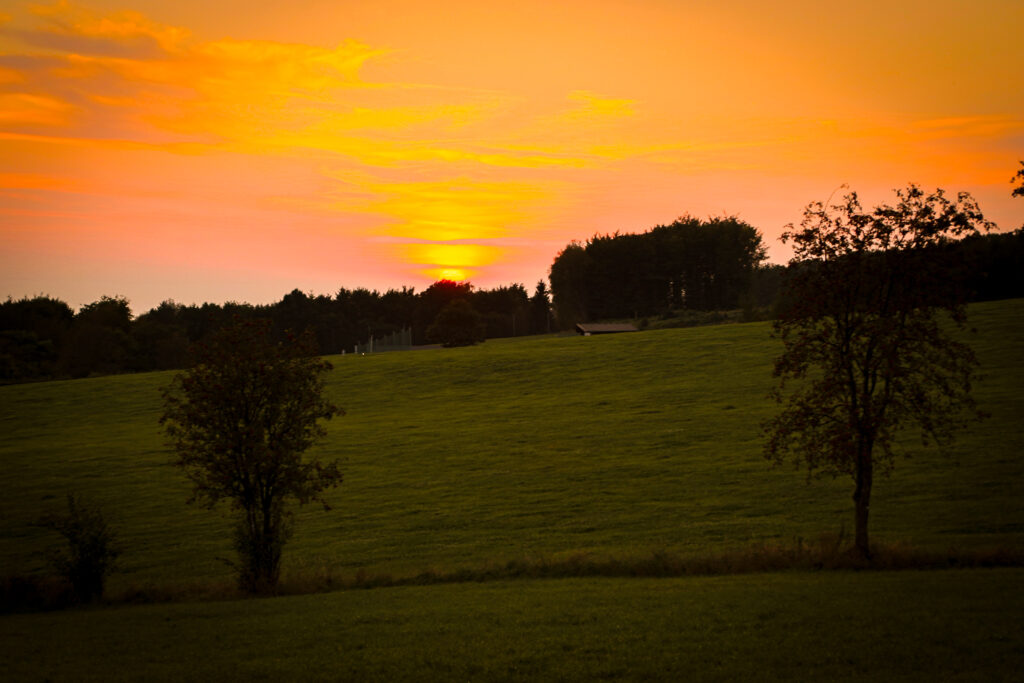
{"x":719,"y":264}
{"x":43,"y":338}
{"x":690,"y":264}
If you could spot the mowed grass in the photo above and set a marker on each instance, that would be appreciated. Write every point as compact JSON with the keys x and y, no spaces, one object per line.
{"x":954,"y":625}
{"x":545,"y":447}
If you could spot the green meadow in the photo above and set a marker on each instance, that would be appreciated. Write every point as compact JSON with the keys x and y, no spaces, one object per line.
{"x":533,"y":450}
{"x":518,"y":449}
{"x":953,"y":625}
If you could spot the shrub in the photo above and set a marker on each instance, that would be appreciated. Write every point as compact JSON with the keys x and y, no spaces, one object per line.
{"x":91,"y":552}
{"x":458,"y":324}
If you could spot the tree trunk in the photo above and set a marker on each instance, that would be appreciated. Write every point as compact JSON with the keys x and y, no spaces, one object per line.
{"x":862,"y":502}
{"x":258,"y":540}
{"x":269,"y":549}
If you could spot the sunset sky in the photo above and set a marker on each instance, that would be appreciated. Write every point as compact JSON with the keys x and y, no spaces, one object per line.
{"x":236,"y":150}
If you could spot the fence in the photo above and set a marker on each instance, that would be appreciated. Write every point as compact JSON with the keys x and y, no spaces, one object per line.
{"x":396,"y":341}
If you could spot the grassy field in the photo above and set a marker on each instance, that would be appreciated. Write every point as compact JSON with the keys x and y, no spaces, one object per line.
{"x":536,"y":450}
{"x":531,"y":448}
{"x":955,"y":625}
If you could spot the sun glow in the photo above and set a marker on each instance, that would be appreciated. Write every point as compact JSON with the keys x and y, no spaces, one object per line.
{"x":452,"y":274}
{"x":144,"y":153}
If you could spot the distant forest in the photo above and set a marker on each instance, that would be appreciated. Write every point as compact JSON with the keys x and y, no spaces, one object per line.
{"x":689,"y":265}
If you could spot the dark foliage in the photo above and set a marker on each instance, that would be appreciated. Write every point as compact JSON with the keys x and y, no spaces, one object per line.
{"x":691,"y":264}
{"x":34,"y":594}
{"x":91,"y":550}
{"x":458,"y":324}
{"x":42,"y":338}
{"x":32,"y":333}
{"x":239,"y":421}
{"x":864,"y":338}
{"x":540,"y":310}
{"x":994,"y":265}
{"x":569,"y":281}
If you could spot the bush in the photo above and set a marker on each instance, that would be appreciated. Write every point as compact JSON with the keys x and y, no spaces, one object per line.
{"x":91,"y":552}
{"x":458,"y":324}
{"x":33,"y":594}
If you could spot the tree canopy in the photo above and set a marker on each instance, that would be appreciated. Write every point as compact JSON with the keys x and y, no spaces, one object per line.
{"x":865,"y":348}
{"x":42,"y":338}
{"x":239,"y":421}
{"x":690,"y":263}
{"x":458,"y":324}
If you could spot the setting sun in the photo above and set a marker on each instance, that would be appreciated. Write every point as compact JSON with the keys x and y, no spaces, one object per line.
{"x":451,"y":274}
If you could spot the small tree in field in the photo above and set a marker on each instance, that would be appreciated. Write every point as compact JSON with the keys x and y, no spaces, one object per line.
{"x":240,"y":420}
{"x":863,"y":337}
{"x":91,"y":552}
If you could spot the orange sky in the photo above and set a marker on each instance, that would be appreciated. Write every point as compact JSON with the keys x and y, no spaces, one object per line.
{"x":214,"y":151}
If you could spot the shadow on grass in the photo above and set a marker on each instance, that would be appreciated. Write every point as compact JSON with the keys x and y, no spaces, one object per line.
{"x":827,"y":553}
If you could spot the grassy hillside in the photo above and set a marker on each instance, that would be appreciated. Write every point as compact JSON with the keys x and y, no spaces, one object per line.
{"x":616,"y":445}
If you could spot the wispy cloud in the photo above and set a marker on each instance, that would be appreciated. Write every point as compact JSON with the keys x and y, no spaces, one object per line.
{"x":125,"y":118}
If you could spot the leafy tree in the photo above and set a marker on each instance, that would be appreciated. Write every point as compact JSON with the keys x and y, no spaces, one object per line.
{"x":458,"y":324}
{"x":569,"y":280}
{"x":240,"y":420}
{"x":32,"y":333}
{"x":110,"y":311}
{"x":92,"y":551}
{"x":540,"y":309}
{"x":160,"y":340}
{"x":44,"y":317}
{"x":504,"y":310}
{"x":699,"y":265}
{"x":99,"y":342}
{"x":1018,"y":179}
{"x":432,"y":301}
{"x":708,"y":265}
{"x":863,"y":335}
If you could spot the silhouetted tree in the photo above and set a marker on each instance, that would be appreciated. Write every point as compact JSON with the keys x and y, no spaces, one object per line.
{"x":458,"y":324}
{"x":91,"y":550}
{"x":503,"y":309}
{"x":540,"y":310}
{"x":707,"y":265}
{"x":699,"y":265}
{"x":864,"y":340}
{"x":46,"y":318}
{"x":1018,"y":179}
{"x":569,"y":277}
{"x":765,"y":285}
{"x":995,"y":265}
{"x":100,"y":340}
{"x":160,"y":339}
{"x":32,"y":334}
{"x":431,"y":301}
{"x":240,"y":420}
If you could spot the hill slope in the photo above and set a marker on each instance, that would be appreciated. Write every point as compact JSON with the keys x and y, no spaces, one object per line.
{"x":530,"y":447}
